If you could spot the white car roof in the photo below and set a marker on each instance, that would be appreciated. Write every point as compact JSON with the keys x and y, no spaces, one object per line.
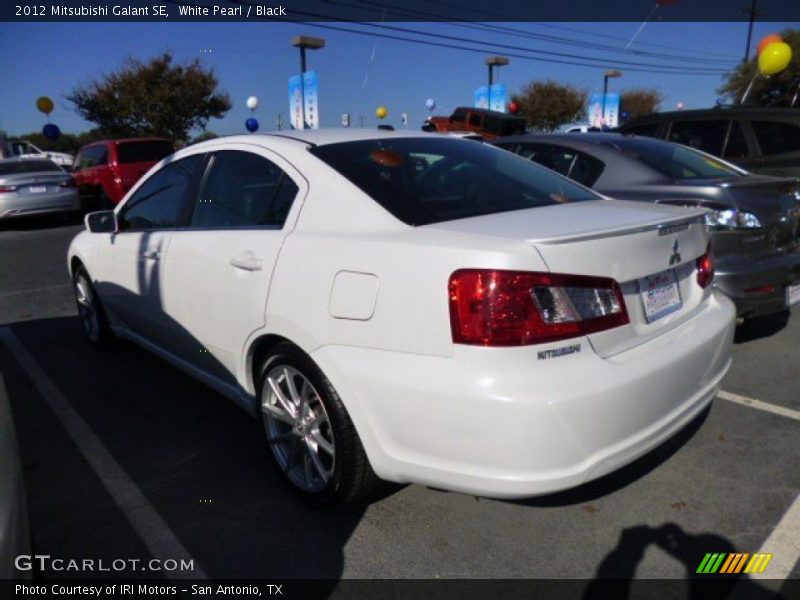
{"x":321,"y":137}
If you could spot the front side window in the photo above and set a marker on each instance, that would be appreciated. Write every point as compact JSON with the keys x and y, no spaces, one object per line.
{"x":242,"y":189}
{"x":777,"y":137}
{"x":736,"y":147}
{"x":157,"y":203}
{"x":707,"y":136}
{"x":422,"y":180}
{"x":459,"y":116}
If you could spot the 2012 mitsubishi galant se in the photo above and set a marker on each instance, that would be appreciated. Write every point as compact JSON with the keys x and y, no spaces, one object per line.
{"x":413,"y":308}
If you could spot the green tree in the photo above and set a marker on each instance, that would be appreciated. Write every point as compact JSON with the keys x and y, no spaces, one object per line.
{"x":202,"y":137}
{"x":546,"y":105}
{"x":776,"y":90}
{"x":638,"y":102}
{"x":153,"y":98}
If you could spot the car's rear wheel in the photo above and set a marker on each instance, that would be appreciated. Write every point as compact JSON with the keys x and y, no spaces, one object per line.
{"x":311,"y":438}
{"x":90,"y":311}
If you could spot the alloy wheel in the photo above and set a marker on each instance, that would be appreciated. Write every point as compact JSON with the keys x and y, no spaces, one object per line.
{"x":298,"y":428}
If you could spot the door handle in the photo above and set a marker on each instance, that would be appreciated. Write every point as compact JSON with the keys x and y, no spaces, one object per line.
{"x":247,"y":262}
{"x":151,"y":254}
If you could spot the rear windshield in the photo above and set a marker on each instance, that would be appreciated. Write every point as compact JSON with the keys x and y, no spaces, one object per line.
{"x":133,"y":152}
{"x":27,"y":166}
{"x":675,"y":161}
{"x":430,"y":180}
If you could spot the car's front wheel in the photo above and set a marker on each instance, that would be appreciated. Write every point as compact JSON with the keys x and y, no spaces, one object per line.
{"x":311,"y":438}
{"x":90,"y":311}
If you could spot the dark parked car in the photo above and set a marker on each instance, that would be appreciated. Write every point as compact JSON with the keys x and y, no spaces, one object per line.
{"x":106,"y":170}
{"x":754,"y":219}
{"x":761,"y":140}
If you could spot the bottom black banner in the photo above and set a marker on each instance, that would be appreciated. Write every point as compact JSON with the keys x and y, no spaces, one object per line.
{"x":733,"y":588}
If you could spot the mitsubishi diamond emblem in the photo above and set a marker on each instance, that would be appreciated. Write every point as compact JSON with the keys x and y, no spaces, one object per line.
{"x":676,"y":256}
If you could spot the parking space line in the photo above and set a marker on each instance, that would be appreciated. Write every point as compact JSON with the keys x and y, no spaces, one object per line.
{"x":766,"y":406}
{"x":143,"y":517}
{"x":784,"y":545}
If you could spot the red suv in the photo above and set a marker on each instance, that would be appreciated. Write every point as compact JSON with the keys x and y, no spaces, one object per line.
{"x":106,"y":170}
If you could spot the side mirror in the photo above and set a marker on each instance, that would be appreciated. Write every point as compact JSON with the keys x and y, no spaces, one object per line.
{"x":103,"y":221}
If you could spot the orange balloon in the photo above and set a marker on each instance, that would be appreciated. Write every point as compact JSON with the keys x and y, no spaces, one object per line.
{"x":767,"y":40}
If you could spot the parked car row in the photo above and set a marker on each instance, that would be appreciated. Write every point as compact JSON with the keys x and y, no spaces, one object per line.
{"x":102,"y":173}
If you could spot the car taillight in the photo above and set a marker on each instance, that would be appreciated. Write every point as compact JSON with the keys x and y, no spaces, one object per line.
{"x":705,"y":268}
{"x":520,"y":308}
{"x":68,"y":183}
{"x":4,"y":189}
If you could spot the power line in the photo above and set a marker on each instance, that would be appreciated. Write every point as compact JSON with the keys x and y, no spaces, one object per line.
{"x":511,"y":31}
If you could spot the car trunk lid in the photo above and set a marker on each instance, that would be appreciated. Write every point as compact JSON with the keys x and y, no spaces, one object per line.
{"x":644,"y":247}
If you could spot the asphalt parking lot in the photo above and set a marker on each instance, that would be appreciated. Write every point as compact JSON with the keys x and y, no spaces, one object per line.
{"x":196,"y":466}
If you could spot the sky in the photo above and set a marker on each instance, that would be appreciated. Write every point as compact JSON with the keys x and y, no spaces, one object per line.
{"x":356,"y":73}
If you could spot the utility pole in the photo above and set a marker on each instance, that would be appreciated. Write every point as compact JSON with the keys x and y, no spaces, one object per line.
{"x":280,"y":122}
{"x":753,"y":14}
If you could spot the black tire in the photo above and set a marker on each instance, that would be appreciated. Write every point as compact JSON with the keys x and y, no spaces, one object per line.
{"x":90,"y":312}
{"x":351,"y":476}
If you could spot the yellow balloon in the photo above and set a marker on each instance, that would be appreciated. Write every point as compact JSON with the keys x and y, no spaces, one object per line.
{"x":774,"y":58}
{"x":45,"y":105}
{"x":381,"y":112}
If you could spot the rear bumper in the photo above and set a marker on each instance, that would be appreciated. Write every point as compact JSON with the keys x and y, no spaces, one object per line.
{"x":736,"y":274}
{"x":501,"y":423}
{"x":67,"y":200}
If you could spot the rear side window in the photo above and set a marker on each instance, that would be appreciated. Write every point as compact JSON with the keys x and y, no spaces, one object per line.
{"x":158,"y":202}
{"x":150,"y":151}
{"x":242,"y":189}
{"x":707,"y":136}
{"x":576,"y":165}
{"x":422,"y":180}
{"x":777,"y":137}
{"x":645,"y":129}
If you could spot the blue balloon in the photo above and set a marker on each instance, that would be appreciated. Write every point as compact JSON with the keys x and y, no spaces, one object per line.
{"x":251,"y":124}
{"x":430,"y":103}
{"x":51,"y":131}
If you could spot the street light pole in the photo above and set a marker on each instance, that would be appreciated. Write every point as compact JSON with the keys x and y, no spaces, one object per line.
{"x":609,"y":73}
{"x":492,"y":62}
{"x":305,"y":42}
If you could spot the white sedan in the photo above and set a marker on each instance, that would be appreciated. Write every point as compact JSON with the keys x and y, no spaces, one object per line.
{"x":413,"y":307}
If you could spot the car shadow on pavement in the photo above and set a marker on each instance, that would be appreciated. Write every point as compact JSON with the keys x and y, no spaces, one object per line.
{"x":200,"y":461}
{"x":36,"y":223}
{"x":608,"y":484}
{"x":761,"y":327}
{"x":615,"y":574}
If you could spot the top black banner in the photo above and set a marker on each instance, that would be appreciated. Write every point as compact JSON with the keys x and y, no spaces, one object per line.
{"x":401,"y":10}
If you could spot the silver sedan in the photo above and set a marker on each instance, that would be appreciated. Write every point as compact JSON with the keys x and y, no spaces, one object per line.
{"x":30,"y":186}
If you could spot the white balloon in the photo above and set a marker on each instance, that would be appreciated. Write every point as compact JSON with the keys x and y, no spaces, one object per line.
{"x":252,"y":103}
